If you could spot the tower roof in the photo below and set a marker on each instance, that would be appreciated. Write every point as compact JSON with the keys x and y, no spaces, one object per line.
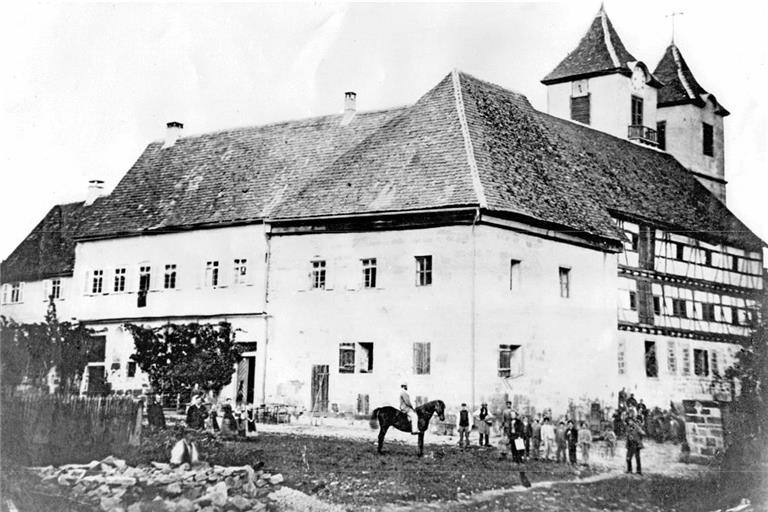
{"x":680,"y":86}
{"x":600,"y":52}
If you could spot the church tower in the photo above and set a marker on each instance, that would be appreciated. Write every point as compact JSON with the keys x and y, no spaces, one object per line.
{"x":690,"y":122}
{"x":602,"y":85}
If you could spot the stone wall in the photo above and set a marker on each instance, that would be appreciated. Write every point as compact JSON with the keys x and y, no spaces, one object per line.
{"x":703,"y":427}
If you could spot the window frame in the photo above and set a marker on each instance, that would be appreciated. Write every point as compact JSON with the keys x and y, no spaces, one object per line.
{"x":422,"y":358}
{"x":651,"y":359}
{"x":514,"y":274}
{"x":119,"y":278}
{"x":564,"y":278}
{"x":169,"y":277}
{"x":701,"y":355}
{"x":680,"y":308}
{"x":97,"y":281}
{"x":240,"y":271}
{"x":424,"y":268}
{"x":317,"y":274}
{"x":54,"y":288}
{"x":661,"y":135}
{"x":212,"y":276}
{"x":636,"y":116}
{"x":370,"y":271}
{"x":707,"y":139}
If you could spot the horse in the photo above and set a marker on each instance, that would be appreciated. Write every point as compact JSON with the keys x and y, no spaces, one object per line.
{"x":385,"y":417}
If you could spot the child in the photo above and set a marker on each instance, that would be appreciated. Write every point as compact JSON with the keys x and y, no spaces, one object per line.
{"x":463,"y":426}
{"x":585,"y":441}
{"x":561,"y":442}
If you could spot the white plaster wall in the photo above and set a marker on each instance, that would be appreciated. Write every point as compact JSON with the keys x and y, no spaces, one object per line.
{"x":34,"y":304}
{"x":565,"y":340}
{"x":561,"y":337}
{"x":669,"y":385}
{"x":610,"y":103}
{"x":685,"y":136}
{"x":189,"y":251}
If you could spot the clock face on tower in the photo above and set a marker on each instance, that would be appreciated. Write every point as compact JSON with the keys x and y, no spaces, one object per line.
{"x":638,"y":79}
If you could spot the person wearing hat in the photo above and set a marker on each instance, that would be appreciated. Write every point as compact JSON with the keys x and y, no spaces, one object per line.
{"x":483,"y":421}
{"x":407,"y":408}
{"x":463,"y":424}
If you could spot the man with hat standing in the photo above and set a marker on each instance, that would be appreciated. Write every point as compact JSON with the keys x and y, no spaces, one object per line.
{"x":407,"y":408}
{"x":464,"y":427}
{"x":483,"y":420}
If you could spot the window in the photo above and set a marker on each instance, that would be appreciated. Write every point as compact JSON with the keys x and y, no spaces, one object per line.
{"x":355,"y":356}
{"x":510,"y":361}
{"x":369,"y":273}
{"x":565,"y":282}
{"x":661,"y":135}
{"x":700,"y":362}
{"x":421,"y":358}
{"x":240,"y":271}
{"x":144,"y":278}
{"x":633,"y":301}
{"x":715,"y":364}
{"x":119,"y":284}
{"x":656,"y":305}
{"x":318,"y":275}
{"x":16,"y":293}
{"x":651,"y":362}
{"x":735,"y":263}
{"x":131,"y":369}
{"x":514,"y":274}
{"x":97,"y":281}
{"x":679,"y":308}
{"x":211,"y":273}
{"x":170,"y":277}
{"x":55,"y":291}
{"x":708,"y":312}
{"x":620,"y":357}
{"x":631,"y":241}
{"x":735,"y":320}
{"x":423,"y":270}
{"x":671,"y":358}
{"x":707,"y":148}
{"x":346,"y":358}
{"x":707,"y":257}
{"x":679,"y":252}
{"x":637,"y":111}
{"x":686,"y":360}
{"x":580,"y":109}
{"x":363,"y":404}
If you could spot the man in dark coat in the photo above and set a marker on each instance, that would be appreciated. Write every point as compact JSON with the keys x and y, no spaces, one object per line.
{"x":635,"y":435}
{"x":196,"y":414}
{"x":155,"y":415}
{"x":572,"y":438}
{"x":516,"y":432}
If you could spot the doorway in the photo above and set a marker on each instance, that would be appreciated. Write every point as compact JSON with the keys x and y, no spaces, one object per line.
{"x":319,"y":396}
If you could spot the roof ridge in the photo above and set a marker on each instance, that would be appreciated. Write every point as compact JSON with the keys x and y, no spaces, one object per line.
{"x":284,"y":122}
{"x":469,"y":149}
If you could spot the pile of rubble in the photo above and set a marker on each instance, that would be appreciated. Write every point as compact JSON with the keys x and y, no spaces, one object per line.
{"x":115,"y":486}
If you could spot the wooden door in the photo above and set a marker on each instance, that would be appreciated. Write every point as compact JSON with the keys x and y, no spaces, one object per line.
{"x":319,"y":388}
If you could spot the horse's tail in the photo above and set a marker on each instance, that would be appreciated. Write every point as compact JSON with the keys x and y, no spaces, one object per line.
{"x":374,"y":421}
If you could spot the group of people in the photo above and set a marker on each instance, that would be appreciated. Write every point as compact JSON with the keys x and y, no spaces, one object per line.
{"x":236,"y":421}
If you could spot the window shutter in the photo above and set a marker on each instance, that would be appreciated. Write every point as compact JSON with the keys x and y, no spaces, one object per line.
{"x":580,"y":109}
{"x":427,"y":358}
{"x":416,"y":363}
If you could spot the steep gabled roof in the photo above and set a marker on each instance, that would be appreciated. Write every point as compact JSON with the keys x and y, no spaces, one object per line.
{"x":680,"y":86}
{"x":599,"y":52}
{"x":466,"y":142}
{"x":49,"y":249}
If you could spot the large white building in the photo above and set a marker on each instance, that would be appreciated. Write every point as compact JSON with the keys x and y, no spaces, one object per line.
{"x":467,"y":244}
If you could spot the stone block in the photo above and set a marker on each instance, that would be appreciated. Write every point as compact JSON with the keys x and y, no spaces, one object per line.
{"x":276,"y":479}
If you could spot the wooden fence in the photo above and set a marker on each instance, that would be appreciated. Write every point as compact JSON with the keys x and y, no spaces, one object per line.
{"x":51,"y":429}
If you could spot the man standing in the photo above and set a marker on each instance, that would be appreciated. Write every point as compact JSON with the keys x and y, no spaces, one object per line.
{"x":561,"y":442}
{"x":572,"y":437}
{"x":634,"y":442}
{"x":516,"y":432}
{"x":196,"y":413}
{"x":155,"y":415}
{"x":548,"y":436}
{"x":483,"y":422}
{"x":463,"y":427}
{"x":407,"y":408}
{"x":536,"y":437}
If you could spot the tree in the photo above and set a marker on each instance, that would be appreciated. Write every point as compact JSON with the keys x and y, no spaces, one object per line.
{"x":178,"y":358}
{"x":30,"y":351}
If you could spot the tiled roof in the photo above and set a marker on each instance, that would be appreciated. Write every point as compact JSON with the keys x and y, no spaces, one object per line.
{"x":600,"y":52}
{"x":464,"y":143}
{"x":225,"y":177}
{"x":680,"y":86}
{"x":49,"y":249}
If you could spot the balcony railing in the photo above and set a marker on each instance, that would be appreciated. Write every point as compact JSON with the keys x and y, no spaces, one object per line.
{"x":642,"y":134}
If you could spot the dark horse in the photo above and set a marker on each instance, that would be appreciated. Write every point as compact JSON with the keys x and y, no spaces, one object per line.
{"x":386,"y":417}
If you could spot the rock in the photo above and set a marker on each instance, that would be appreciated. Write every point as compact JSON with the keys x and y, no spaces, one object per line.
{"x":119,"y":493}
{"x":174,"y":488}
{"x":258,"y":507}
{"x":108,"y":504}
{"x":185,"y":505}
{"x":240,"y":503}
{"x":135,"y":507}
{"x":125,"y":481}
{"x":265,"y":476}
{"x":162,"y":466}
{"x":276,"y":479}
{"x":79,"y":489}
{"x":250,"y":489}
{"x":219,"y":494}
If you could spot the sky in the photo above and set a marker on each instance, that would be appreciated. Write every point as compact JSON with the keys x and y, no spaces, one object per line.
{"x":85,"y":87}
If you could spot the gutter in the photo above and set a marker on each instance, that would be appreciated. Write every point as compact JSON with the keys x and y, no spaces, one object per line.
{"x":473,"y":310}
{"x":267,"y":261}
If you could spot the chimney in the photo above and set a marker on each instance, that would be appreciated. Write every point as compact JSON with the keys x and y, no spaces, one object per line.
{"x":350,"y":107}
{"x":95,"y":191}
{"x":172,"y":133}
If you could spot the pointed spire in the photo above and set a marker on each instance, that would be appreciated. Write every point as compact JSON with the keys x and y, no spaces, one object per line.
{"x":680,"y":86}
{"x":599,"y":52}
